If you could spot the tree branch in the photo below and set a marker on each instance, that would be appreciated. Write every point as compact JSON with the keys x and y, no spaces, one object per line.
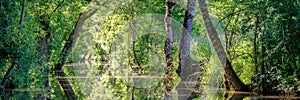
{"x":56,"y":8}
{"x":22,"y":16}
{"x":13,"y":64}
{"x":7,"y":74}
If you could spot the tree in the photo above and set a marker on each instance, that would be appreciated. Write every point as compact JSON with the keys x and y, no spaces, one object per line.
{"x":168,"y":48}
{"x":236,"y":83}
{"x":184,"y":68}
{"x":66,"y":51}
{"x":44,"y":47}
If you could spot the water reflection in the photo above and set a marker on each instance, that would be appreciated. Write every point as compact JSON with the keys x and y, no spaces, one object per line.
{"x":101,"y":81}
{"x":240,"y":95}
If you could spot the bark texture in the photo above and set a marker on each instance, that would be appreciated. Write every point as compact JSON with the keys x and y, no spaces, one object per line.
{"x":185,"y":69}
{"x":236,"y":83}
{"x":168,"y":48}
{"x":63,"y":80}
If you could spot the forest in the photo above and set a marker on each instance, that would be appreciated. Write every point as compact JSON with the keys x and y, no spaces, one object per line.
{"x":149,"y":49}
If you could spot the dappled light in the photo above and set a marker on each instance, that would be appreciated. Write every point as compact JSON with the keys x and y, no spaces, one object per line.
{"x":149,"y":49}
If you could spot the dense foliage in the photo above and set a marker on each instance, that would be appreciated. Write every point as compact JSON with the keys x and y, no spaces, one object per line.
{"x":120,"y":50}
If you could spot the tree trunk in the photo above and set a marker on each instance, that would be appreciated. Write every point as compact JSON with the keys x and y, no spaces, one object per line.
{"x":237,"y":96}
{"x":43,"y":54}
{"x":262,"y":65}
{"x":236,"y":83}
{"x":184,"y":69}
{"x":225,"y":82}
{"x":255,"y":50}
{"x":136,"y":70}
{"x":255,"y":45}
{"x":44,"y":51}
{"x":168,"y":48}
{"x":63,"y":81}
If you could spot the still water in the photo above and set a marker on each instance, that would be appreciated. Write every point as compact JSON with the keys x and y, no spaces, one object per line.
{"x":119,"y":83}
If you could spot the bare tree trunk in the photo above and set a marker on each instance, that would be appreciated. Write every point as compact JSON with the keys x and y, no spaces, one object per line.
{"x":168,"y":48}
{"x":63,"y":81}
{"x":236,"y":83}
{"x":184,"y":69}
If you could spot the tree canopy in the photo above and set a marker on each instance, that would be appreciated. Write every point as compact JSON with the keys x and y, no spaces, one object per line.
{"x":148,"y":49}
